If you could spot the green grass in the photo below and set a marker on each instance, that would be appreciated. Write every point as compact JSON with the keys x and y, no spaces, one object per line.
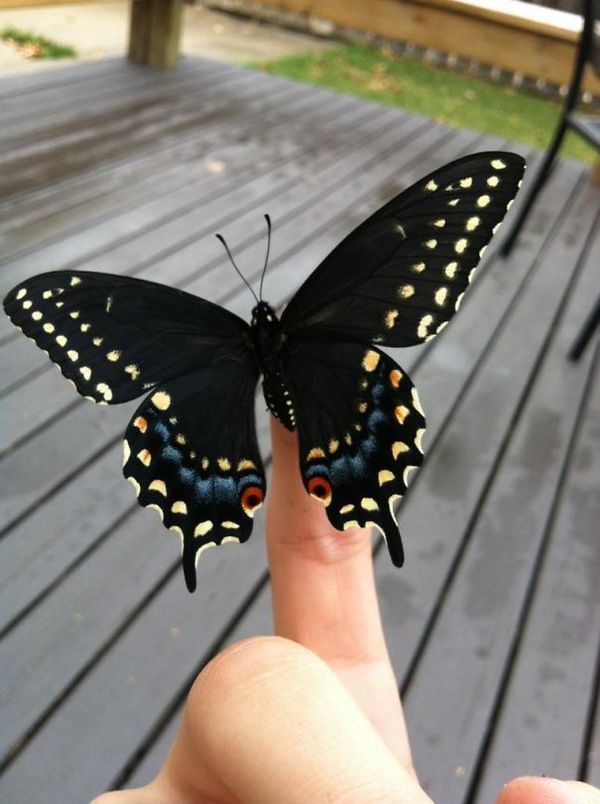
{"x":458,"y":100}
{"x":36,"y":47}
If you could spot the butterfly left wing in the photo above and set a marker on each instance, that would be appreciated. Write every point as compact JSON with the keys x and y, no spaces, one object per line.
{"x":115,"y":337}
{"x":399,"y":277}
{"x":360,"y":426}
{"x":190,"y":452}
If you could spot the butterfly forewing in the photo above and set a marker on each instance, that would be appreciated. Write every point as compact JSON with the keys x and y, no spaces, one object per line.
{"x":400,"y":276}
{"x":360,"y":427}
{"x":115,"y":337}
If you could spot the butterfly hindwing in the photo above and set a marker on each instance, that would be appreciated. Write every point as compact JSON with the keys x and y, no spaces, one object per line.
{"x":190,"y":452}
{"x":399,"y":277}
{"x":360,"y":426}
{"x":116,"y":337}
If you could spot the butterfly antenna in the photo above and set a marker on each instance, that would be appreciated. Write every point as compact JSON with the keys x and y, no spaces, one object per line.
{"x":264,"y":270}
{"x":241,"y":275}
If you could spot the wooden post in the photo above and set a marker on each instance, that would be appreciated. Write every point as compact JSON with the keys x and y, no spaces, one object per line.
{"x":155,"y":31}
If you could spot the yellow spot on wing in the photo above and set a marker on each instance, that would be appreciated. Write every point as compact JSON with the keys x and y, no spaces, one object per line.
{"x":141,"y":424}
{"x":450,"y":270}
{"x":61,"y":340}
{"x":472,"y":223}
{"x":21,"y":293}
{"x":224,"y":464}
{"x":416,"y":401}
{"x":419,"y":439}
{"x":419,"y":267}
{"x":113,"y":356}
{"x":27,"y":304}
{"x":398,"y":447}
{"x":144,"y":456}
{"x":406,"y":291}
{"x":432,"y":243}
{"x":369,"y":504}
{"x":431,"y":185}
{"x":362,"y":407}
{"x":441,"y":295}
{"x":203,"y":528}
{"x":85,"y":327}
{"x":407,"y":473}
{"x":179,"y":507}
{"x":74,"y":314}
{"x":231,"y":526}
{"x":498,"y":164}
{"x":390,"y":318}
{"x":333,"y":445}
{"x":204,"y":463}
{"x":401,"y":412}
{"x":86,"y":372}
{"x":424,"y":325}
{"x":98,"y":341}
{"x":440,"y":223}
{"x":395,"y":377}
{"x":385,"y":476}
{"x":73,"y":355}
{"x":483,"y":200}
{"x":160,"y":486}
{"x":461,"y":245}
{"x":126,"y":451}
{"x":315,"y":452}
{"x":161,"y":400}
{"x":133,"y":370}
{"x":48,"y":327}
{"x":36,"y":315}
{"x":75,"y":280}
{"x":346,"y":509}
{"x":493,"y":181}
{"x":370,"y":361}
{"x":245,"y":464}
{"x":104,"y":389}
{"x":466,"y":183}
{"x":181,"y":439}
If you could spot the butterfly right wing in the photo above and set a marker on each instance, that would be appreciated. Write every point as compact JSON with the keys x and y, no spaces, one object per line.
{"x":190,"y":452}
{"x":360,"y":427}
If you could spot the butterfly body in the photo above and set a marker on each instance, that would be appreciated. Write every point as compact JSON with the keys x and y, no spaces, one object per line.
{"x":190,"y":450}
{"x":268,"y":339}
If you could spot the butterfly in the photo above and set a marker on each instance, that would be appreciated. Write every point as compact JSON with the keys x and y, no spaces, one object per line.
{"x":190,"y":450}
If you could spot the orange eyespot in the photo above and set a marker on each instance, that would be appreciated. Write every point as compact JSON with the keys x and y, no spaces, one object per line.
{"x":252,"y":498}
{"x":320,"y":488}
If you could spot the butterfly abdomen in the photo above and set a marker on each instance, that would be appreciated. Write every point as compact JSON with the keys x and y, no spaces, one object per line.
{"x":268,"y":339}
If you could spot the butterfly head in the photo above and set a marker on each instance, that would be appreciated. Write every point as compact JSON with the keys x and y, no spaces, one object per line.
{"x":264,"y":317}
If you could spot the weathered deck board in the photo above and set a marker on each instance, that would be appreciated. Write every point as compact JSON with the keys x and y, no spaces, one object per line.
{"x":96,"y":626}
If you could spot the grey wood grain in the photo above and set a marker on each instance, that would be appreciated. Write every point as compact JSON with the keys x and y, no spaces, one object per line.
{"x":466,"y":648}
{"x":542,"y":721}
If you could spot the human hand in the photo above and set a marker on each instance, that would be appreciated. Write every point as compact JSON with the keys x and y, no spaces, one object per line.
{"x":313,"y":713}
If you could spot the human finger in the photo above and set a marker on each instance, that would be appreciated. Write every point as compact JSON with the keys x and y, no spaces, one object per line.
{"x":324,"y":593}
{"x":539,"y":790}
{"x":268,"y":721}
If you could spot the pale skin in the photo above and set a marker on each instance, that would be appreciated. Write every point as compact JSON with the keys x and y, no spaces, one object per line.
{"x":311,"y":714}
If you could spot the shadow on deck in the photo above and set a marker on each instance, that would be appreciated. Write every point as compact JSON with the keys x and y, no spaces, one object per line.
{"x":492,"y":624}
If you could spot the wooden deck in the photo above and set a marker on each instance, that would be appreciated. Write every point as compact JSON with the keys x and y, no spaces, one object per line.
{"x":493,"y":623}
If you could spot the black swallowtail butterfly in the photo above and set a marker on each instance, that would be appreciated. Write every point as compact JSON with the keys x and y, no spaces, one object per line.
{"x":190,"y":450}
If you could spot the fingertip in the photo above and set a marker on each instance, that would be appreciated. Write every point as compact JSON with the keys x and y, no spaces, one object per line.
{"x":541,"y":790}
